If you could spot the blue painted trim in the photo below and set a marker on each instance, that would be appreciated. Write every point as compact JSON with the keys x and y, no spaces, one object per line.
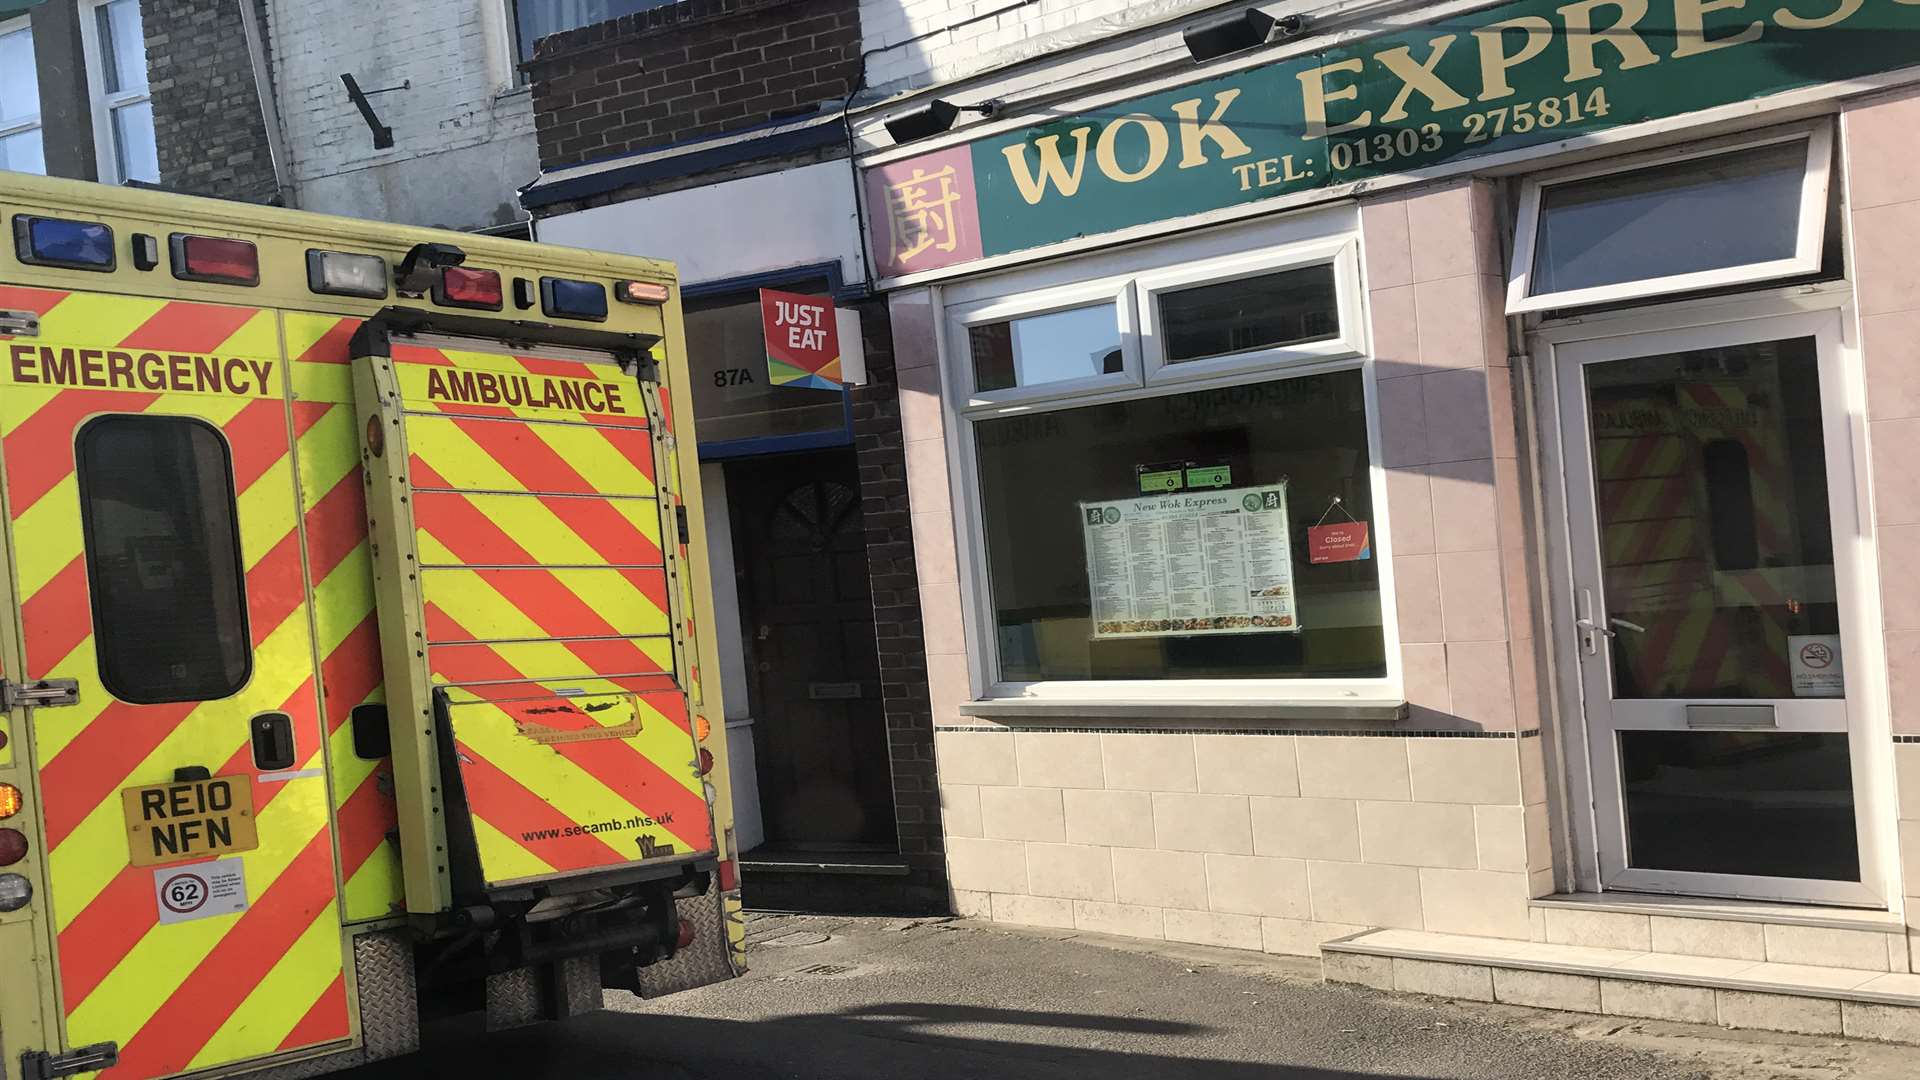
{"x":774,"y":444}
{"x":778,"y":144}
{"x":773,"y":279}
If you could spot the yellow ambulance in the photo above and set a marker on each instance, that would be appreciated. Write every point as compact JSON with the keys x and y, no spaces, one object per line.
{"x":353,"y":586}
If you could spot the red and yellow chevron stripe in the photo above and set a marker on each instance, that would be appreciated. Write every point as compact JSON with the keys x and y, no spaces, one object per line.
{"x":549,"y":611}
{"x":340,"y":576}
{"x":198,"y":993}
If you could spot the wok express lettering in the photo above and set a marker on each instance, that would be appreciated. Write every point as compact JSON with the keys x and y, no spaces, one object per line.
{"x":125,"y":369}
{"x":525,"y":391}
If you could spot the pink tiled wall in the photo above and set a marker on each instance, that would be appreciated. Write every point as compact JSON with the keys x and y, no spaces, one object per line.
{"x":923,"y":429}
{"x":1883,"y":199}
{"x":1449,"y":443}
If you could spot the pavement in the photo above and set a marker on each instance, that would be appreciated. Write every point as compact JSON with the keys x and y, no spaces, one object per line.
{"x":833,"y":998}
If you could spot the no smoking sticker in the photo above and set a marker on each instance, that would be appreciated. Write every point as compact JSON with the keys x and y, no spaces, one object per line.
{"x":199,"y":890}
{"x":1814,"y":662}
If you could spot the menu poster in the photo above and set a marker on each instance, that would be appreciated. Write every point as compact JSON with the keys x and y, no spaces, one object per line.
{"x":1196,"y":562}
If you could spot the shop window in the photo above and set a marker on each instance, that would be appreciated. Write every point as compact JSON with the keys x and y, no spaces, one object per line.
{"x":20,"y":148}
{"x":1291,"y":307}
{"x":163,"y":559}
{"x":1167,"y":474}
{"x":116,"y":49}
{"x":1212,"y":575}
{"x":1248,"y":312}
{"x":1060,"y":346}
{"x":1714,"y":218}
{"x":734,"y":404}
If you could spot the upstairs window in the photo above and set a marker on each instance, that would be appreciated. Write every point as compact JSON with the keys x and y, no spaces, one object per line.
{"x":1733,"y":215}
{"x":19,"y":100}
{"x":535,"y":19}
{"x":116,"y":48}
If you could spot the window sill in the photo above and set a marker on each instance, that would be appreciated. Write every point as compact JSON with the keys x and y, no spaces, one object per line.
{"x":1347,"y":711}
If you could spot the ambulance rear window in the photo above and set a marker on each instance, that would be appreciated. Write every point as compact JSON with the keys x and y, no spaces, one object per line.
{"x":163,"y":559}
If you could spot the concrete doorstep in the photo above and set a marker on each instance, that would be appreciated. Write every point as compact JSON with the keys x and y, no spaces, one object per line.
{"x":1797,"y":998}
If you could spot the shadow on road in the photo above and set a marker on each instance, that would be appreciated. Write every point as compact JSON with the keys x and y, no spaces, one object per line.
{"x":912,"y":1041}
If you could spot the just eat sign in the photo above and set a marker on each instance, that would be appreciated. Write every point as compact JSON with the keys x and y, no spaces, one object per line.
{"x":803,"y":340}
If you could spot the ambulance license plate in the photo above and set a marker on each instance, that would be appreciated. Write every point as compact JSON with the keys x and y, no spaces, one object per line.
{"x":189,"y":819}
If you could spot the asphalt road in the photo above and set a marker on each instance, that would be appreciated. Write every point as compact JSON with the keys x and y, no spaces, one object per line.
{"x":878,"y":999}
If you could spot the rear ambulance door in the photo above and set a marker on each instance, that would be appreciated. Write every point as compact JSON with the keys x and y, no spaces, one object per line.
{"x":550,"y":608}
{"x":154,"y":526}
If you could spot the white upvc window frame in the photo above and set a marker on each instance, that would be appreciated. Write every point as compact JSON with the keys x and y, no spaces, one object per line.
{"x":1810,"y":236}
{"x":102,"y":103}
{"x":1196,"y":260}
{"x":1340,"y":253}
{"x":1114,"y":292}
{"x":23,"y":124}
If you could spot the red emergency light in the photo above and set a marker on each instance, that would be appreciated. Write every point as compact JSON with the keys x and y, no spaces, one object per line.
{"x":461,"y":287}
{"x":215,"y":258}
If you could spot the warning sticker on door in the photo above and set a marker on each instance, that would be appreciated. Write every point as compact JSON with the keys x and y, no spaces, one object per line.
{"x":1814,"y":660}
{"x":200,"y":890}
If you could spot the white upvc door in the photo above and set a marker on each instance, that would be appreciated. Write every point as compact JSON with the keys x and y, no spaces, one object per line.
{"x":1714,"y":553}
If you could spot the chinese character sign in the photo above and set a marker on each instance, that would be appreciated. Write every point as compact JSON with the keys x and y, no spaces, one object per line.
{"x":924,"y":212}
{"x":803,"y":340}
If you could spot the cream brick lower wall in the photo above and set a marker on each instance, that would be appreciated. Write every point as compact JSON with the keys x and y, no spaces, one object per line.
{"x":1256,"y":841}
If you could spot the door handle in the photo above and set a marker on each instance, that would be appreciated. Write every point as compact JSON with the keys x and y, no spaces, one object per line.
{"x":272,"y":741}
{"x":1590,"y":631}
{"x":1625,"y":625}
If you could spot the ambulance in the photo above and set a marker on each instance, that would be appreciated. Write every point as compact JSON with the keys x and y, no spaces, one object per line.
{"x":354,"y":590}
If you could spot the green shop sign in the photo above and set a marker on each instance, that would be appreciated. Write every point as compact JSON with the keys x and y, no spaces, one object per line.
{"x":1493,"y":80}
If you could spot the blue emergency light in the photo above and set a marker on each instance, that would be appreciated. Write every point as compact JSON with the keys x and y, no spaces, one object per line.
{"x":76,"y":245}
{"x":565,"y":298}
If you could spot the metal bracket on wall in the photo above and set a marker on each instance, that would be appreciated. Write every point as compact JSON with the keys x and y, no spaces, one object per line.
{"x":382,"y":134}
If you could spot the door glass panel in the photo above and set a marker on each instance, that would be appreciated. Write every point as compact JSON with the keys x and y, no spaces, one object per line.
{"x":1765,"y":803}
{"x":1715,"y":546}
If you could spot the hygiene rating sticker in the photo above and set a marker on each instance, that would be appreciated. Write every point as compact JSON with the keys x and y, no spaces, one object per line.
{"x":200,"y":890}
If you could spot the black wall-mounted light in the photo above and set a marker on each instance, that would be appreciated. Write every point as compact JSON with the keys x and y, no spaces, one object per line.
{"x":1238,"y":32}
{"x":932,"y":118}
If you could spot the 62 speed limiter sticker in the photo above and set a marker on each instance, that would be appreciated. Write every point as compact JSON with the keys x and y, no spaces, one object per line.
{"x":199,"y":890}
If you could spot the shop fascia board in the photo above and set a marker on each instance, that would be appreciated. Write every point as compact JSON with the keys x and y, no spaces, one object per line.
{"x":1125,"y":67}
{"x":1332,"y":711}
{"x":1785,"y":107}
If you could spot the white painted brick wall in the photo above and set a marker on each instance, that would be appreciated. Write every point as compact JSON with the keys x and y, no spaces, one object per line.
{"x":457,"y":65}
{"x":961,"y":45}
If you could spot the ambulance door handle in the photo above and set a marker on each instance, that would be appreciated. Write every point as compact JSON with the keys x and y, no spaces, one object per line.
{"x":272,"y":741}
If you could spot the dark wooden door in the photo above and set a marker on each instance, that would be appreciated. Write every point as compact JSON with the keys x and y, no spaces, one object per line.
{"x":807,"y":616}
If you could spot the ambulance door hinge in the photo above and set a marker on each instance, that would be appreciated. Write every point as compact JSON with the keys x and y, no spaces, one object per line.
{"x":40,"y":694}
{"x":19,"y":324}
{"x":639,"y":364}
{"x":680,"y":520}
{"x":40,"y":1065}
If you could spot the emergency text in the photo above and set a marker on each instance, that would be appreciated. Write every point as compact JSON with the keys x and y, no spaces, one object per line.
{"x":119,"y":369}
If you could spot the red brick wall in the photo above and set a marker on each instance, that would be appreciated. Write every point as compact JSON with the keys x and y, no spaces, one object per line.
{"x":697,"y":67}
